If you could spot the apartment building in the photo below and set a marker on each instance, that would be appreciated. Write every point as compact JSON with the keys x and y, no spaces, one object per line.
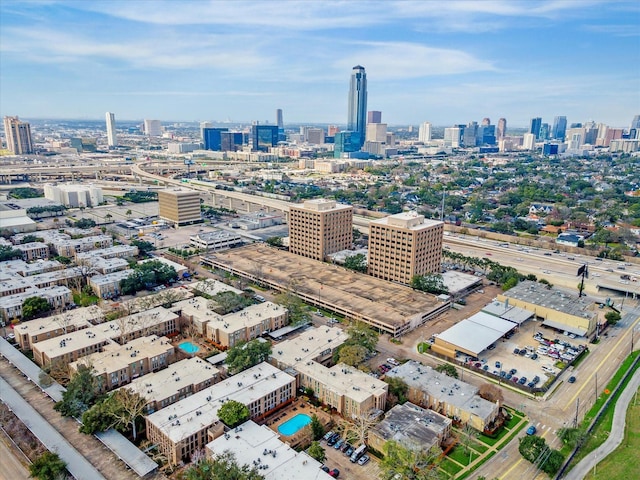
{"x":181,"y":429}
{"x":155,"y":321}
{"x":179,"y":206}
{"x":11,"y":305}
{"x":227,"y":330}
{"x":108,"y":285}
{"x":68,"y":247}
{"x":446,"y":395}
{"x":404,"y":245}
{"x":116,"y":251}
{"x":412,"y":427}
{"x":70,"y":347}
{"x":176,"y":382}
{"x":117,"y":365}
{"x":257,"y":444}
{"x":33,"y":251}
{"x":20,"y":268}
{"x":41,"y":329}
{"x":320,"y":227}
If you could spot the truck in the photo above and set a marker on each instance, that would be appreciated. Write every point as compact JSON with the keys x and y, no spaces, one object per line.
{"x":358,"y":452}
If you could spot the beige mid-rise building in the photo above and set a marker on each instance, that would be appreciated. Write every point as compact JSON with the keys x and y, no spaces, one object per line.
{"x":320,"y":227}
{"x":179,"y":206}
{"x":404,"y":245}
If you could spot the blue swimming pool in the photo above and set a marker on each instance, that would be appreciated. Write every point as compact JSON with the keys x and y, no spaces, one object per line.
{"x":188,"y":347}
{"x":294,"y":424}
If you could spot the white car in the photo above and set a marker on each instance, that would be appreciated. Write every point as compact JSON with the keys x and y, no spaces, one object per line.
{"x":393,"y":361}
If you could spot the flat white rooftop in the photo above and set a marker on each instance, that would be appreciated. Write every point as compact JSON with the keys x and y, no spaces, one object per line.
{"x":344,"y":380}
{"x":407,"y":220}
{"x":259,"y":446}
{"x":76,"y":318}
{"x":308,"y":345}
{"x":173,"y":379}
{"x":180,"y":420}
{"x":250,"y":316}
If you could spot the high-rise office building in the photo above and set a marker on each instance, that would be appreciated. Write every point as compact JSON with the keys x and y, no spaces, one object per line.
{"x":320,"y":227}
{"x":279,"y":119}
{"x":212,"y":138}
{"x":635,"y":123}
{"x":264,"y":137}
{"x":470,"y":135}
{"x":486,"y":121}
{"x":153,"y":128}
{"x":18,"y":136}
{"x":358,"y":102}
{"x":332,"y":130}
{"x":424,"y":134}
{"x":204,"y":125}
{"x":376,"y":132}
{"x":112,"y":138}
{"x":453,"y":136}
{"x":314,"y":136}
{"x":534,"y":126}
{"x":230,"y":141}
{"x":559,"y":128}
{"x":346,"y":142}
{"x":404,"y":245}
{"x":544,"y":131}
{"x":373,"y":116}
{"x":486,"y":135}
{"x":179,"y":206}
{"x":502,"y":128}
{"x":529,"y":141}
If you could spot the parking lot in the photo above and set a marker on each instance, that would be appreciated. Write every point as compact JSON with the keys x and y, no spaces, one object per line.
{"x":348,"y":470}
{"x":535,"y":361}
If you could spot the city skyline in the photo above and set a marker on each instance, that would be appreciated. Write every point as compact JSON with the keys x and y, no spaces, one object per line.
{"x":445,"y":63}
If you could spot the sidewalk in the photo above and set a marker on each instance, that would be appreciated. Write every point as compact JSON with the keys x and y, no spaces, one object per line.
{"x":615,"y":437}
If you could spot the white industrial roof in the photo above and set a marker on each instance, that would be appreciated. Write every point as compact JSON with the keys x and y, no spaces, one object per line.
{"x":476,"y":333}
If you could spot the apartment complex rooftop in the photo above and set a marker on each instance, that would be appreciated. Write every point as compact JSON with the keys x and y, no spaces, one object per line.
{"x":173,"y":379}
{"x":110,"y":252}
{"x":413,"y":427}
{"x":438,"y":385}
{"x":200,"y":410}
{"x":308,"y":345}
{"x":73,"y":318}
{"x":212,"y":287}
{"x":24,"y":269}
{"x":115,"y":357}
{"x":256,"y":445}
{"x":80,"y":340}
{"x":250,"y":316}
{"x":344,"y":380}
{"x":146,"y":319}
{"x":110,"y":278}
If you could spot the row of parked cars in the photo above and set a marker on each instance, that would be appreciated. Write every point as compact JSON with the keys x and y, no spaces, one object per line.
{"x":557,"y":350}
{"x":355,"y":454}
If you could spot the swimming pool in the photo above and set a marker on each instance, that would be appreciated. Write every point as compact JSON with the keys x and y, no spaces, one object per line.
{"x":188,"y":347}
{"x":293,"y":425}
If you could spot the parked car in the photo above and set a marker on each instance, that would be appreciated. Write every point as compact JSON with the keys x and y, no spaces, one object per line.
{"x":363,"y":460}
{"x":534,"y":356}
{"x":339,"y":444}
{"x":349,"y":451}
{"x":335,"y":473}
{"x":328,"y":435}
{"x":325,"y":468}
{"x":498,"y":365}
{"x":513,"y":371}
{"x":345,"y":447}
{"x":516,"y":351}
{"x":572,"y":380}
{"x":531,"y":430}
{"x":522,"y":380}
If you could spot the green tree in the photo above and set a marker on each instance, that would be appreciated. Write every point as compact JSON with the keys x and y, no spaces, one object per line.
{"x":352,"y":355}
{"x":298,"y":312}
{"x":316,"y":427}
{"x":9,"y":253}
{"x":33,"y":306}
{"x":431,"y":283}
{"x":398,"y":388}
{"x":316,"y":451}
{"x":63,"y":260}
{"x":274,"y":241}
{"x":361,"y":334}
{"x":233,"y":413}
{"x":85,"y":223}
{"x":447,"y":369}
{"x":401,"y":463}
{"x":612,"y":317}
{"x":48,"y":466}
{"x":230,"y":301}
{"x":128,"y":213}
{"x":30,"y":239}
{"x":147,"y":275}
{"x":222,"y":467}
{"x":245,"y":355}
{"x":531,"y":446}
{"x":357,"y":262}
{"x":82,"y":392}
{"x":144,"y":247}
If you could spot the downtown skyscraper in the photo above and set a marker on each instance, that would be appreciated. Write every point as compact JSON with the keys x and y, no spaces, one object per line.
{"x":112,"y":139}
{"x":357,"y":119}
{"x":18,"y":136}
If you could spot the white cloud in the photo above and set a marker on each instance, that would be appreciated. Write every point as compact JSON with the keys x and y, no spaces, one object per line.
{"x":403,"y":60}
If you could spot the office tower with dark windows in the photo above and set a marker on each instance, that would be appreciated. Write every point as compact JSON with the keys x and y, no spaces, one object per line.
{"x":112,"y":139}
{"x":486,"y":135}
{"x":469,"y":137}
{"x":544,"y":132}
{"x":502,"y":128}
{"x":404,"y":245}
{"x":279,"y":119}
{"x":212,"y":138}
{"x":263,"y":137}
{"x":559,"y":129}
{"x":230,"y":141}
{"x":373,"y":116}
{"x":18,"y":136}
{"x":320,"y":227}
{"x":534,"y":126}
{"x":357,"y":118}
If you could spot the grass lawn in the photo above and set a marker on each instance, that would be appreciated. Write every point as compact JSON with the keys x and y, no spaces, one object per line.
{"x":623,"y":462}
{"x":461,"y":455}
{"x":450,"y":467}
{"x":84,"y":300}
{"x":475,"y":467}
{"x":513,"y":422}
{"x":478,"y":447}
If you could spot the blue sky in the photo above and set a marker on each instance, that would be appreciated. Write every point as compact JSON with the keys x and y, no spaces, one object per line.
{"x":445,"y":62}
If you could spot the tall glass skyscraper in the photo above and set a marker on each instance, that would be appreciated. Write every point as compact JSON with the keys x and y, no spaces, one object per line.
{"x":357,"y":120}
{"x":559,"y":129}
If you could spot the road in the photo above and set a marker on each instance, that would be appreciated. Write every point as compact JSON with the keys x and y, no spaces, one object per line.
{"x":77,"y":465}
{"x":617,"y":432}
